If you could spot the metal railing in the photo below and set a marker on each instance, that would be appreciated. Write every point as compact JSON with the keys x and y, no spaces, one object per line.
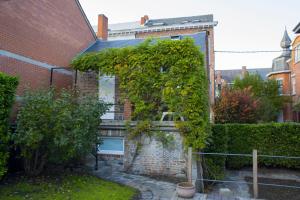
{"x":254,"y":156}
{"x":116,"y":114}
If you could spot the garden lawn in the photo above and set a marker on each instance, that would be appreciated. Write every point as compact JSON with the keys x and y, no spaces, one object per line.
{"x":65,"y":187}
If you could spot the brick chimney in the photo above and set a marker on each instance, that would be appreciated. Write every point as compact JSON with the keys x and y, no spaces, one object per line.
{"x":144,"y":19}
{"x":102,"y":27}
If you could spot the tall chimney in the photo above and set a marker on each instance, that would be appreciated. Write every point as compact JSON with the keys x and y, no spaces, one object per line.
{"x":102,"y":27}
{"x":144,"y":19}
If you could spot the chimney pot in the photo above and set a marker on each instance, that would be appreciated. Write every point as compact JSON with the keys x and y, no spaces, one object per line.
{"x":144,"y":19}
{"x":102,"y":27}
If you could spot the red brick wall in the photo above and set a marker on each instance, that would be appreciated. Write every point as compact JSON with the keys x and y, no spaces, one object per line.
{"x":295,"y":68}
{"x":33,"y":76}
{"x":286,"y":83}
{"x":51,"y":31}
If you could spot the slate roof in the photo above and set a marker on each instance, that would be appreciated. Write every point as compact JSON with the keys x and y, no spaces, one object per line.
{"x":297,"y":28}
{"x":199,"y":38}
{"x":230,"y":75}
{"x":128,"y":26}
{"x":180,"y":20}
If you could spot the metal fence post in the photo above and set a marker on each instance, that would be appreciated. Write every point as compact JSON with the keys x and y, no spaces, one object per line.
{"x":255,"y":185}
{"x":189,"y":165}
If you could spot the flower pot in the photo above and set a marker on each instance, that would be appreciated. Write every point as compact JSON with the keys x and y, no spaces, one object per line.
{"x":185,"y":190}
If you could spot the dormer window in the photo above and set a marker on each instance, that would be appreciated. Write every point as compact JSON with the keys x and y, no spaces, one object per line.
{"x":196,"y":20}
{"x":185,"y":21}
{"x":158,"y":24}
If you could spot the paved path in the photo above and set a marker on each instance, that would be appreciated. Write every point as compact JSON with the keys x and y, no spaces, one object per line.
{"x":150,"y":189}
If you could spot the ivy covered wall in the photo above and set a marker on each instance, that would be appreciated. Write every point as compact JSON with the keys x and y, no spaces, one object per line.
{"x":159,"y":76}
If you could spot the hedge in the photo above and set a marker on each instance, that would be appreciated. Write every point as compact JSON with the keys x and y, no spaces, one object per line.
{"x":281,"y":139}
{"x":8,"y":87}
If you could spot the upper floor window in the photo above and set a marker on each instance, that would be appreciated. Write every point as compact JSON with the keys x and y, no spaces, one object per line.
{"x":297,"y":53}
{"x":293,"y":85}
{"x":280,"y":86}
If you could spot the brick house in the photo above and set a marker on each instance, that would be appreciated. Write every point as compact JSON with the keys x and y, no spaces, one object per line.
{"x":201,"y":28}
{"x":38,"y":40}
{"x":165,"y":27}
{"x":295,"y":73}
{"x":285,"y":70}
{"x":153,"y":159}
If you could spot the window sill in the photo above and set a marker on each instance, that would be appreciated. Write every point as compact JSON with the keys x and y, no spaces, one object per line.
{"x":106,"y":152}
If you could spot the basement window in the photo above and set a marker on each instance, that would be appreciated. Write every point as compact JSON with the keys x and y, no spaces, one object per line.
{"x":111,"y":145}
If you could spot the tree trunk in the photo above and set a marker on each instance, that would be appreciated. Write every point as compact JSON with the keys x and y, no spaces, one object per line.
{"x":35,"y":164}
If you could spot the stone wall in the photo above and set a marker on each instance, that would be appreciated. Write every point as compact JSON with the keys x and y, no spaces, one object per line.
{"x":152,"y":158}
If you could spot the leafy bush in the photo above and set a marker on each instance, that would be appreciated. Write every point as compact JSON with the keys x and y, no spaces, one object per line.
{"x":266,"y":91}
{"x":281,"y":139}
{"x":56,"y":128}
{"x":8,"y":87}
{"x":236,"y":106}
{"x":214,"y":166}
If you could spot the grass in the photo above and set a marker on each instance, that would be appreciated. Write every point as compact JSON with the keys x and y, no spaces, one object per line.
{"x":65,"y":187}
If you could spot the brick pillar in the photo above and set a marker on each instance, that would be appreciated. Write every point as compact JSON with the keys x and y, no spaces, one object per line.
{"x":127,"y":109}
{"x":87,"y":83}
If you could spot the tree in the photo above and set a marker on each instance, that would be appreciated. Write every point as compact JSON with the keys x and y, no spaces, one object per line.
{"x":266,"y":91}
{"x":8,"y":86}
{"x":236,"y":106}
{"x":56,"y":128}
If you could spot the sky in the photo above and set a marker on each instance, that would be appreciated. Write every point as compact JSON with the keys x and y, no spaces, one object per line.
{"x":242,"y":24}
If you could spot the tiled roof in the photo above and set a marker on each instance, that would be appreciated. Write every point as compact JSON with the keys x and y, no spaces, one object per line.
{"x":230,"y":75}
{"x":199,"y":38}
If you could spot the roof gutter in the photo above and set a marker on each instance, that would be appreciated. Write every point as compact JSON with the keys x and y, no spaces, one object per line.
{"x":164,"y":28}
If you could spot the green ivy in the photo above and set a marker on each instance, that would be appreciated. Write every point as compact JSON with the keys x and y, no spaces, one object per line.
{"x":158,"y":76}
{"x":8,"y":87}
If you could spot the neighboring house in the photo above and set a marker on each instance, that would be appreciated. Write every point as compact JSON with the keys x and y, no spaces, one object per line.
{"x":226,"y":77}
{"x":37,"y":37}
{"x":170,"y":27}
{"x":281,"y":72}
{"x":295,"y":72}
{"x":108,"y":86}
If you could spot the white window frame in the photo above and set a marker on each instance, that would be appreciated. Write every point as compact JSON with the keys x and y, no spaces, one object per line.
{"x":293,"y":85}
{"x":280,"y":79}
{"x":111,"y":152}
{"x":297,"y":53}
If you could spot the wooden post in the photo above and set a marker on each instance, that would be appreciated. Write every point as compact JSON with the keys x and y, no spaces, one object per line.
{"x":255,"y":185}
{"x":189,"y":165}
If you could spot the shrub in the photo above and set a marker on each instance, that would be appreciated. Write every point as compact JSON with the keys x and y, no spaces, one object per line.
{"x":217,"y":143}
{"x":281,"y":139}
{"x":236,"y":106}
{"x":8,"y":87}
{"x":56,"y":128}
{"x":266,"y":91}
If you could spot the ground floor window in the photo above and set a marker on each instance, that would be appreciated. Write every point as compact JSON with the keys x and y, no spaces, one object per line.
{"x":111,"y":145}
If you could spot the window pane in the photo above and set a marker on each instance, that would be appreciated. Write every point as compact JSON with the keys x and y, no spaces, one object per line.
{"x":112,"y":144}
